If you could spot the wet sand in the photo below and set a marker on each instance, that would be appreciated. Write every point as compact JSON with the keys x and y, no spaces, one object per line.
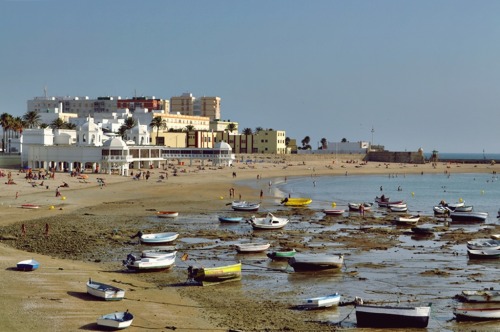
{"x":90,"y":231}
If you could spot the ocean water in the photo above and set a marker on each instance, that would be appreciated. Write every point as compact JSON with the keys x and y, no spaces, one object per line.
{"x":465,"y":156}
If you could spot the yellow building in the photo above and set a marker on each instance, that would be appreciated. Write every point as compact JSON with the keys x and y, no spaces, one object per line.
{"x":187,"y":104}
{"x":265,"y":141}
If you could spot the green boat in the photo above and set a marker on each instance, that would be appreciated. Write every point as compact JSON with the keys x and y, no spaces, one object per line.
{"x":281,"y":255}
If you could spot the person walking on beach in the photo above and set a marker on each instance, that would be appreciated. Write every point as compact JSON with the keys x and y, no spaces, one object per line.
{"x":17,"y":194}
{"x":47,"y":229}
{"x":261,"y":194}
{"x":23,"y":230}
{"x":58,"y":193}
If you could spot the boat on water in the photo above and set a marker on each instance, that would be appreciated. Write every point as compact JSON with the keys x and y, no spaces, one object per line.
{"x":116,"y":320}
{"x":159,"y":237}
{"x":252,"y":247}
{"x":321,"y":302}
{"x":315,"y":262}
{"x":486,"y":313}
{"x":386,"y":202}
{"x":468,"y":216}
{"x":464,"y":208}
{"x":483,"y":244}
{"x":441,"y":210}
{"x":215,"y":275}
{"x":105,"y":291}
{"x":407,"y":220}
{"x":451,"y":206}
{"x":486,"y":295}
{"x":296,"y":201}
{"x":158,"y":251}
{"x":245,"y":206}
{"x":357,"y":206}
{"x":268,"y":222}
{"x":381,"y":316}
{"x":150,"y":263}
{"x":333,"y":212}
{"x":167,"y":214}
{"x":398,"y":207}
{"x":28,"y":265}
{"x":227,"y":219}
{"x":282,"y":254}
{"x":483,"y":253}
{"x":30,"y":206}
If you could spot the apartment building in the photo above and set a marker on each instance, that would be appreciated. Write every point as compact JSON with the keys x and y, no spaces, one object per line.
{"x":187,"y":104}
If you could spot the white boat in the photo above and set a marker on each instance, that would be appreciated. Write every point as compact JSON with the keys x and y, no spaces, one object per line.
{"x":158,"y":251}
{"x":392,"y":317}
{"x":464,"y":208}
{"x":116,"y":320}
{"x":495,"y":236}
{"x":462,"y":314}
{"x":333,"y":212}
{"x":484,"y":253}
{"x":321,"y":302}
{"x":245,"y":206}
{"x":483,"y":244}
{"x":104,"y":291}
{"x":468,"y":216}
{"x":150,"y":263}
{"x":487,"y":295}
{"x":159,"y":237}
{"x":357,"y":206}
{"x":398,"y":207}
{"x":268,"y":222}
{"x":252,"y":247}
{"x":451,"y":206}
{"x":315,"y":262}
{"x":407,"y":220}
{"x":167,"y":214}
{"x":441,"y":210}
{"x":28,"y":265}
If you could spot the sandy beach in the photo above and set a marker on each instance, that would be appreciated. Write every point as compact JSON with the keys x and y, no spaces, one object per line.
{"x":88,"y":216}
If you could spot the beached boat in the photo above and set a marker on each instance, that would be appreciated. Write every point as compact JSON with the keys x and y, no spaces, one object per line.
{"x":407,"y":220}
{"x":282,"y":254}
{"x":230,"y":219}
{"x":451,"y":206}
{"x":398,"y":207}
{"x":30,"y":206}
{"x":28,"y":265}
{"x":483,"y":253}
{"x":252,"y":247}
{"x":158,"y":251}
{"x":159,"y":237}
{"x":116,"y":320}
{"x":487,"y":295}
{"x":321,"y":302}
{"x":214,"y":275}
{"x":464,"y":208}
{"x":104,"y":291}
{"x":487,"y":313}
{"x":495,"y":236}
{"x":296,"y":201}
{"x":483,"y":244}
{"x":268,"y":222}
{"x":423,"y":230}
{"x":149,"y":263}
{"x":245,"y":206}
{"x":167,"y":214}
{"x":382,"y":199}
{"x":468,"y":216}
{"x":357,"y":206}
{"x":441,"y":210}
{"x":392,"y":317}
{"x":315,"y":262}
{"x":333,"y":212}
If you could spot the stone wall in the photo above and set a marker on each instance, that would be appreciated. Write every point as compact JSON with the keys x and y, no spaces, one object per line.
{"x":396,"y":157}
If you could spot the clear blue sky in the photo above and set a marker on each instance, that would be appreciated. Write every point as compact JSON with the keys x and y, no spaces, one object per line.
{"x":421,"y":73}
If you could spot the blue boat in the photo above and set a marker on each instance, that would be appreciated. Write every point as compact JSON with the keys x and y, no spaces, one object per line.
{"x":28,"y":265}
{"x":230,"y":219}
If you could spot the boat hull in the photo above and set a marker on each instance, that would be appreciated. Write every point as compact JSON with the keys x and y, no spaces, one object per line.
{"x":322,"y":302}
{"x":392,"y":317}
{"x":468,"y":216}
{"x":297,"y":202}
{"x":252,"y":247}
{"x":481,"y":296}
{"x":167,"y":214}
{"x":117,"y":320}
{"x":306,"y":263}
{"x":483,"y":254}
{"x":159,"y":238}
{"x":230,"y":219}
{"x":334,"y":212}
{"x":215,"y":275}
{"x":28,"y":265}
{"x":105,"y":292}
{"x":281,"y":255}
{"x":463,"y":314}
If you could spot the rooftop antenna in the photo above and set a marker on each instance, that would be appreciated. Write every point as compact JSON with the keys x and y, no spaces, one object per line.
{"x":45,"y":91}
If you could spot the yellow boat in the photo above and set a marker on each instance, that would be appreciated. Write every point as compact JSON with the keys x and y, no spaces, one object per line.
{"x":215,"y":275}
{"x":296,"y":201}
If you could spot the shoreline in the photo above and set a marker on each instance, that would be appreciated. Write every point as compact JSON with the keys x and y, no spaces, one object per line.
{"x":190,"y":192}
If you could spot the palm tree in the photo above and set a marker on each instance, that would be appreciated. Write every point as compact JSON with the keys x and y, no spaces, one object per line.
{"x":305,"y":143}
{"x":190,"y":128}
{"x":5,"y":122}
{"x":231,"y":127}
{"x":324,"y":144}
{"x":44,"y":125}
{"x":32,"y":119}
{"x":58,"y":124}
{"x":70,"y":125}
{"x":247,"y":131}
{"x":287,"y":141}
{"x":159,"y":123}
{"x":258,"y":129}
{"x":130,"y":123}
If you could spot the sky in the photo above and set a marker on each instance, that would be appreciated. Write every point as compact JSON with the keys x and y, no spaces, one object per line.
{"x":402,"y":74}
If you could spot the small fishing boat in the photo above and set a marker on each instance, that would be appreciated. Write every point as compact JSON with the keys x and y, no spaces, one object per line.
{"x":321,"y":302}
{"x":230,"y":219}
{"x":28,"y":265}
{"x":30,"y":206}
{"x":215,"y":275}
{"x":483,"y":244}
{"x":116,"y":320}
{"x":386,"y":202}
{"x":159,"y":237}
{"x":407,"y":220}
{"x":104,"y":291}
{"x":158,"y":251}
{"x":484,"y":253}
{"x":296,"y":201}
{"x":441,"y":210}
{"x":422,"y":230}
{"x":495,"y":236}
{"x":451,"y":206}
{"x":357,"y":206}
{"x":281,"y":255}
{"x":398,"y":207}
{"x":463,"y":314}
{"x":468,"y":216}
{"x":333,"y":212}
{"x":487,"y":295}
{"x":392,"y":317}
{"x":315,"y":262}
{"x":252,"y":247}
{"x":150,"y":263}
{"x":268,"y":222}
{"x":167,"y":214}
{"x":464,"y":208}
{"x":245,"y":206}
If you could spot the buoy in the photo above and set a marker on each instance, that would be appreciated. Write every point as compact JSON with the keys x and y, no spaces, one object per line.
{"x":63,"y":198}
{"x":334,"y":204}
{"x":412,"y":194}
{"x":51,"y":207}
{"x":222,"y":197}
{"x":482,"y":192}
{"x":460,"y":200}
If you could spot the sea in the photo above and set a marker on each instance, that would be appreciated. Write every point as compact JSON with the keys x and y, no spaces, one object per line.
{"x":464,"y":156}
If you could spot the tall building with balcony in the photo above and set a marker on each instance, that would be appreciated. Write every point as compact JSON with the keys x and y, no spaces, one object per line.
{"x":187,"y":104}
{"x":83,"y":106}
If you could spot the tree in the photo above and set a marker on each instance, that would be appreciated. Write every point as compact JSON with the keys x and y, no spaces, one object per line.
{"x":6,"y":123}
{"x":58,"y":124}
{"x":344,"y":140}
{"x":305,"y":143}
{"x":247,"y":131}
{"x":128,"y":124}
{"x":324,"y":144}
{"x":32,"y":119}
{"x":287,"y":141}
{"x":258,"y":129}
{"x":231,"y":127}
{"x":190,"y":128}
{"x":159,"y":123}
{"x":70,"y":125}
